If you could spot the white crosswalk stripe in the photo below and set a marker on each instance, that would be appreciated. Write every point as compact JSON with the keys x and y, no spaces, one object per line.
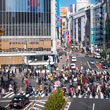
{"x":90,"y":96}
{"x":11,"y":94}
{"x":100,"y":96}
{"x":8,"y":95}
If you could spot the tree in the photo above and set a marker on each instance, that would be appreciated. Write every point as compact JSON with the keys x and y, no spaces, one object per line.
{"x":55,"y":101}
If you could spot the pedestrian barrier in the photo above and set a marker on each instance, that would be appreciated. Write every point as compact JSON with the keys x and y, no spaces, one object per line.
{"x":35,"y":101}
{"x":39,"y":98}
{"x":31,"y":106}
{"x":27,"y":108}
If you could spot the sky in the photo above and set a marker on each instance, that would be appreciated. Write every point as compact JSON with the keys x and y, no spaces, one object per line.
{"x":69,"y":2}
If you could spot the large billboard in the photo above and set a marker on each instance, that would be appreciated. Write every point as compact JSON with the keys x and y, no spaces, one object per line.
{"x":63,"y":11}
{"x":24,"y":5}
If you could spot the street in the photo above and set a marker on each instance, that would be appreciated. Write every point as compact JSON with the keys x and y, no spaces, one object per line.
{"x":89,"y":104}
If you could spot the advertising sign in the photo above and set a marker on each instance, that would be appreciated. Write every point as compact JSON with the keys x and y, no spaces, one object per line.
{"x":24,"y":5}
{"x":63,"y":11}
{"x":58,"y":14}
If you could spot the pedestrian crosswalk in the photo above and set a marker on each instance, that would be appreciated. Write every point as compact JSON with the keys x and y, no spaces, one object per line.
{"x":38,"y":105}
{"x":12,"y":94}
{"x":100,"y":96}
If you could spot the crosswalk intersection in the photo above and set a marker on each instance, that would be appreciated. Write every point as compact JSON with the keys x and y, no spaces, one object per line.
{"x":11,"y":94}
{"x":100,"y":96}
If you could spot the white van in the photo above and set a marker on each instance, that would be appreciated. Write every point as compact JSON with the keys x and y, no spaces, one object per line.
{"x":97,"y":55}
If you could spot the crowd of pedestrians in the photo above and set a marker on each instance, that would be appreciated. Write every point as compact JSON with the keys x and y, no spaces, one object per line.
{"x":75,"y":82}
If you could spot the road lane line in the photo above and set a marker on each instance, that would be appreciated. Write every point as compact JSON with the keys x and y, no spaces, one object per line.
{"x":42,"y":106}
{"x":42,"y":95}
{"x":28,"y":105}
{"x":7,"y":106}
{"x":93,"y":108}
{"x":67,"y":106}
{"x":96,"y":66}
{"x":5,"y":100}
{"x":8,"y":94}
{"x":88,"y":64}
{"x":42,"y":102}
{"x":11,"y":95}
{"x":101,"y":95}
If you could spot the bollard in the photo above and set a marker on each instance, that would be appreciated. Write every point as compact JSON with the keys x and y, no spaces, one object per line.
{"x":39,"y":98}
{"x":27,"y":108}
{"x":31,"y":107}
{"x":35,"y":101}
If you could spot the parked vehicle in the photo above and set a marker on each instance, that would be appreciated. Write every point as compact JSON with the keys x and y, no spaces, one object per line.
{"x":73,"y":66}
{"x":19,"y":101}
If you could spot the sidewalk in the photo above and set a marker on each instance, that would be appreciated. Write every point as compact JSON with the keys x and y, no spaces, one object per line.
{"x":63,"y":61}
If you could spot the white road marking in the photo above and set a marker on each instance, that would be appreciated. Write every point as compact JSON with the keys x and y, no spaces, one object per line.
{"x":88,"y":64}
{"x":27,"y":95}
{"x":11,"y":95}
{"x":101,"y":95}
{"x":93,"y":108}
{"x":28,"y":105}
{"x":90,"y":96}
{"x":67,"y":106}
{"x":79,"y":96}
{"x":96,"y":97}
{"x":35,"y":108}
{"x":74,"y":96}
{"x":5,"y":100}
{"x":42,"y":102}
{"x":42,"y":95}
{"x":39,"y":105}
{"x":8,"y":94}
{"x":6,"y":106}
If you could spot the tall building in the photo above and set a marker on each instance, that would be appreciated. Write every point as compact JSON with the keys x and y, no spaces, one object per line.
{"x":81,"y":28}
{"x":81,"y":4}
{"x":29,"y":36}
{"x":98,"y":24}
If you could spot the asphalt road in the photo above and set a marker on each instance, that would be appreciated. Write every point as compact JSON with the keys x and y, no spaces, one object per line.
{"x":5,"y":103}
{"x":84,"y":62}
{"x":89,"y":104}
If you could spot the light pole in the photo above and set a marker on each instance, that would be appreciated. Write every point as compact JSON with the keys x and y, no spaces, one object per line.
{"x":45,"y":71}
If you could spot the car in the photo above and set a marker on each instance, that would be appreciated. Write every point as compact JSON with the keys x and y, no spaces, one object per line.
{"x":2,"y":108}
{"x":104,"y":65}
{"x":92,"y":61}
{"x":102,"y":61}
{"x":97,"y":56}
{"x":19,"y":101}
{"x":73,"y":66}
{"x":73,"y":59}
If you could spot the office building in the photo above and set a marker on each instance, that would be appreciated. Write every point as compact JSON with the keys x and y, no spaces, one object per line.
{"x":29,"y":36}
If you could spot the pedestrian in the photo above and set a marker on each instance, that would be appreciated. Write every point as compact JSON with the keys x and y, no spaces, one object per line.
{"x":10,"y":88}
{"x":2,"y":92}
{"x":26,"y":82}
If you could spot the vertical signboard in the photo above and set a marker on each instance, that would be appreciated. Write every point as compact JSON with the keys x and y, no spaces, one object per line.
{"x":58,"y":14}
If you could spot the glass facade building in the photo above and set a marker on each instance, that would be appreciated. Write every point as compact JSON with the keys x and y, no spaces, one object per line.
{"x":25,"y":17}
